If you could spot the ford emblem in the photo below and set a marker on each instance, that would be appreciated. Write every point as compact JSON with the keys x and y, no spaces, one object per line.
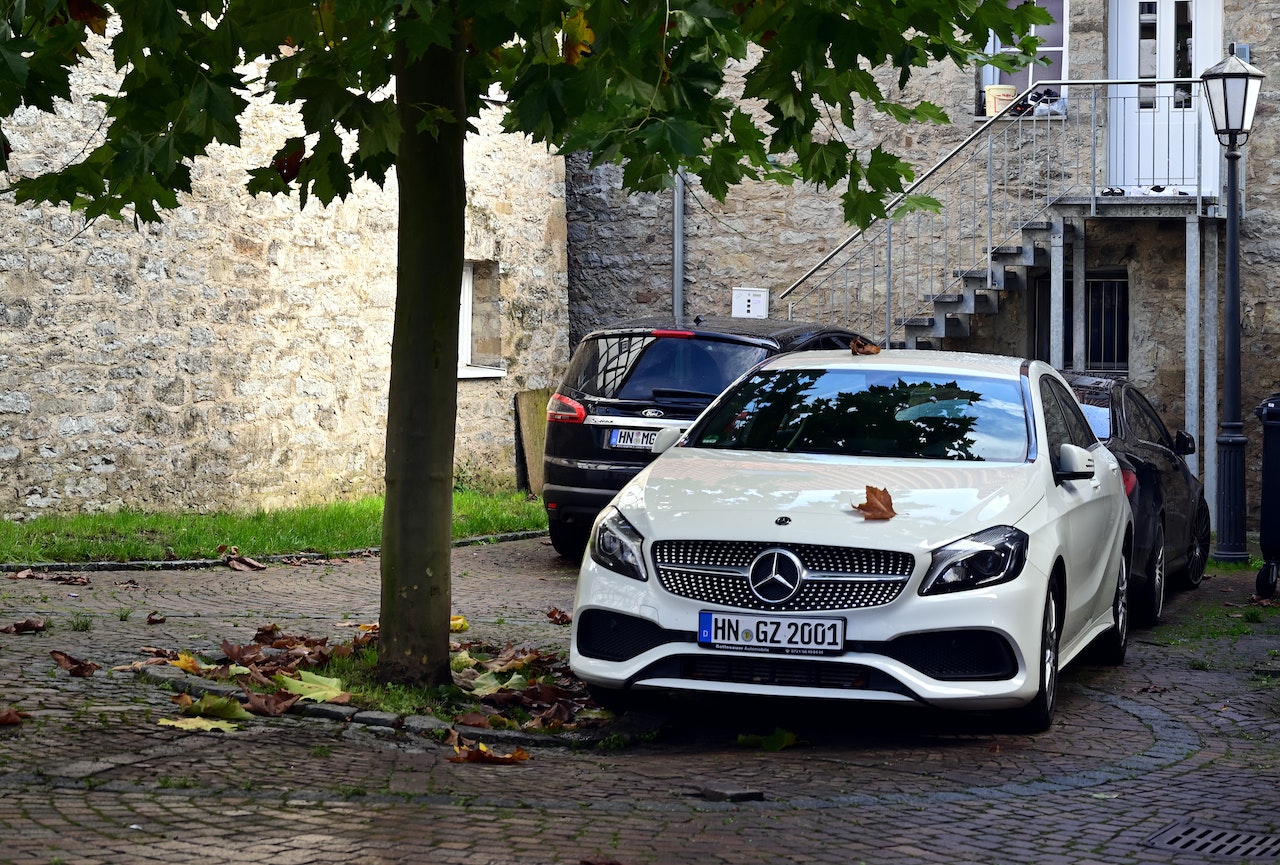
{"x":652,"y":412}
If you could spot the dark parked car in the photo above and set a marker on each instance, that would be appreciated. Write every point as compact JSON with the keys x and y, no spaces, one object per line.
{"x":630,"y":380}
{"x":1170,"y":515}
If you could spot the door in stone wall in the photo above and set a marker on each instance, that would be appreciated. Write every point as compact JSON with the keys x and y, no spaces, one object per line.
{"x":1160,"y":136}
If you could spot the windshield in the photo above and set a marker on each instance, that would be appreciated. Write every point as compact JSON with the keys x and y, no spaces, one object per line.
{"x":883,"y":413}
{"x":642,"y":366}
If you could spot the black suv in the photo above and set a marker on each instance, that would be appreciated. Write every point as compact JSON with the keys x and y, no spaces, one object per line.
{"x":630,"y":380}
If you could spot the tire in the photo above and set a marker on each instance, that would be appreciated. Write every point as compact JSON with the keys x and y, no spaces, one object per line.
{"x":1037,"y":716}
{"x":569,"y":540}
{"x":1266,"y":583}
{"x":1149,"y":600}
{"x":1192,"y":572}
{"x":1113,"y":642}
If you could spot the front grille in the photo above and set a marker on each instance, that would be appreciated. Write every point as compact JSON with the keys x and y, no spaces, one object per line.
{"x":839,"y":578}
{"x":777,"y":672}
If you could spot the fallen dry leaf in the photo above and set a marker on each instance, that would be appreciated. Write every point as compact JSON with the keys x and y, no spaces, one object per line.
{"x":482,"y":754}
{"x":27,"y":626}
{"x":861,"y":346}
{"x":238,"y":562}
{"x":9,"y":717}
{"x":878,"y":506}
{"x":205,"y":724}
{"x":74,"y":666}
{"x":188,"y":664}
{"x":138,"y":665}
{"x":65,"y":579}
{"x":559,"y":616}
{"x":167,"y":654}
{"x":273,"y":705}
{"x":458,"y":624}
{"x":154,"y":618}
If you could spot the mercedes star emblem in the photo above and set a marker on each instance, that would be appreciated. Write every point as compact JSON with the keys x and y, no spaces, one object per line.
{"x":775,"y":576}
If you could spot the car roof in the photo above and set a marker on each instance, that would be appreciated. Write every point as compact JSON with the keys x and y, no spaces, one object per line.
{"x":779,"y":331}
{"x":995,"y":365}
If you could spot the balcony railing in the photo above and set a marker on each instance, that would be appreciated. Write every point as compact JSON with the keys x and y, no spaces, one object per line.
{"x":1092,"y":145}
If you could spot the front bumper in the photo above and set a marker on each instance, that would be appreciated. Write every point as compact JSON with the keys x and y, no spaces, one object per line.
{"x":967,"y":650}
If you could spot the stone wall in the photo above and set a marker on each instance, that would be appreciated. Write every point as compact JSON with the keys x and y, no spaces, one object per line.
{"x":237,"y":355}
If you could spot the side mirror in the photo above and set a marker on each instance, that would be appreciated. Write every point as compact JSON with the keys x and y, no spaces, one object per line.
{"x":1184,"y":444}
{"x":667,"y":436}
{"x":1074,"y":464}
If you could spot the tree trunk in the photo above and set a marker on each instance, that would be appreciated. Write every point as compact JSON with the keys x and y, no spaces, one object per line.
{"x":413,"y":641}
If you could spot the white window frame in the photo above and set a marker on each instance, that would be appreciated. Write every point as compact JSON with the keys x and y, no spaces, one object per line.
{"x":466,"y":369}
{"x":1035,"y":72}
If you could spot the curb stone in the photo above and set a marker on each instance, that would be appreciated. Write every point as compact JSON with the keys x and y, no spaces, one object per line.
{"x":628,"y":729}
{"x":197,"y":564}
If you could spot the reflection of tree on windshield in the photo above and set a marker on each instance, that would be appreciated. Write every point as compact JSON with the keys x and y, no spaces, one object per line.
{"x":899,"y":420}
{"x":791,"y":411}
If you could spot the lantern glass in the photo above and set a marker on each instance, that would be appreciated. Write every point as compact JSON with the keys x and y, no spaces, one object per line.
{"x":1231,"y":88}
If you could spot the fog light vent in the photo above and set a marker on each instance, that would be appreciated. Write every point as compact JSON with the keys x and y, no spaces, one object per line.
{"x":1210,"y":841}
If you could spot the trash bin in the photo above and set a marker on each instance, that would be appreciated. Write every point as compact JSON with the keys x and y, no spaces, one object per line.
{"x":1268,"y":411}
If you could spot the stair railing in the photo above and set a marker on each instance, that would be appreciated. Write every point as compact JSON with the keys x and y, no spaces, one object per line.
{"x":1004,"y":176}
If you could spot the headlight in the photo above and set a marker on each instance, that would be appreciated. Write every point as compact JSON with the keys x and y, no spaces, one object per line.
{"x":615,"y":544}
{"x":991,"y":556}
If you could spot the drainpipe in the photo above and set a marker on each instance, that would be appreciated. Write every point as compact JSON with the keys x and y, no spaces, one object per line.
{"x":677,"y":246}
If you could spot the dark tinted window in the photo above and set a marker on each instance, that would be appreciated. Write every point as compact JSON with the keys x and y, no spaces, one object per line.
{"x":1144,"y":421}
{"x":635,"y":366}
{"x":885,"y":413}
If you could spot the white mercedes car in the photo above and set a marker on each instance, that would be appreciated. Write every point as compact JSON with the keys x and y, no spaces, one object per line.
{"x":903,"y":527}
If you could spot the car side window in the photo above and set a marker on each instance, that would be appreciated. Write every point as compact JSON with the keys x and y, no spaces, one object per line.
{"x":1078,"y":427}
{"x":1144,"y":421}
{"x":1055,"y":422}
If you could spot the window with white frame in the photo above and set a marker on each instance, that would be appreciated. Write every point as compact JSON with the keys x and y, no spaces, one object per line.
{"x":480,"y":323}
{"x":1053,"y":51}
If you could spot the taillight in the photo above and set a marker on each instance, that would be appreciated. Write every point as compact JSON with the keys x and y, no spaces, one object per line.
{"x":673,"y":334}
{"x":1130,"y":478}
{"x":561,"y":409}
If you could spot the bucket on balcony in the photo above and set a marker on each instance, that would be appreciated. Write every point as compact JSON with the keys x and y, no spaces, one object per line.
{"x":999,"y":97}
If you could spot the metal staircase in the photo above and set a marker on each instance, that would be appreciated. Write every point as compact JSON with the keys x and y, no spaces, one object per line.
{"x":919,"y":277}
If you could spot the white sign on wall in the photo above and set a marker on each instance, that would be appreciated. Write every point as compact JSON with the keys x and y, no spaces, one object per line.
{"x":750,"y":302}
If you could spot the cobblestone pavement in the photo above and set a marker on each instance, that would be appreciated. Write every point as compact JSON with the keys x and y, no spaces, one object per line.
{"x":1184,"y":738}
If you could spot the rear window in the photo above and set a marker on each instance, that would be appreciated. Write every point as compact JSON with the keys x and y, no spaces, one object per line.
{"x":645,"y":367}
{"x":1097,"y":410}
{"x":882,"y":413}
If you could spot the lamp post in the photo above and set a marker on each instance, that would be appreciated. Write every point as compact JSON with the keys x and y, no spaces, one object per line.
{"x":1231,"y":89}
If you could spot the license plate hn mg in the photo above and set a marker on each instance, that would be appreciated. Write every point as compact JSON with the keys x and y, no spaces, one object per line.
{"x":776,"y":634}
{"x":633,"y":439}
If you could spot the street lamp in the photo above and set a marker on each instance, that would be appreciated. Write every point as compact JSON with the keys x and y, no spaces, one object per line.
{"x":1231,"y":89}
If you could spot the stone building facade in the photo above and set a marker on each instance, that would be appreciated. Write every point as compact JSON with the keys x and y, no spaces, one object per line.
{"x":767,"y":237}
{"x":236,"y":356}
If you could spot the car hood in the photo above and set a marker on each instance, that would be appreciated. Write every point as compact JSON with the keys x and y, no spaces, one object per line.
{"x":794,"y":498}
